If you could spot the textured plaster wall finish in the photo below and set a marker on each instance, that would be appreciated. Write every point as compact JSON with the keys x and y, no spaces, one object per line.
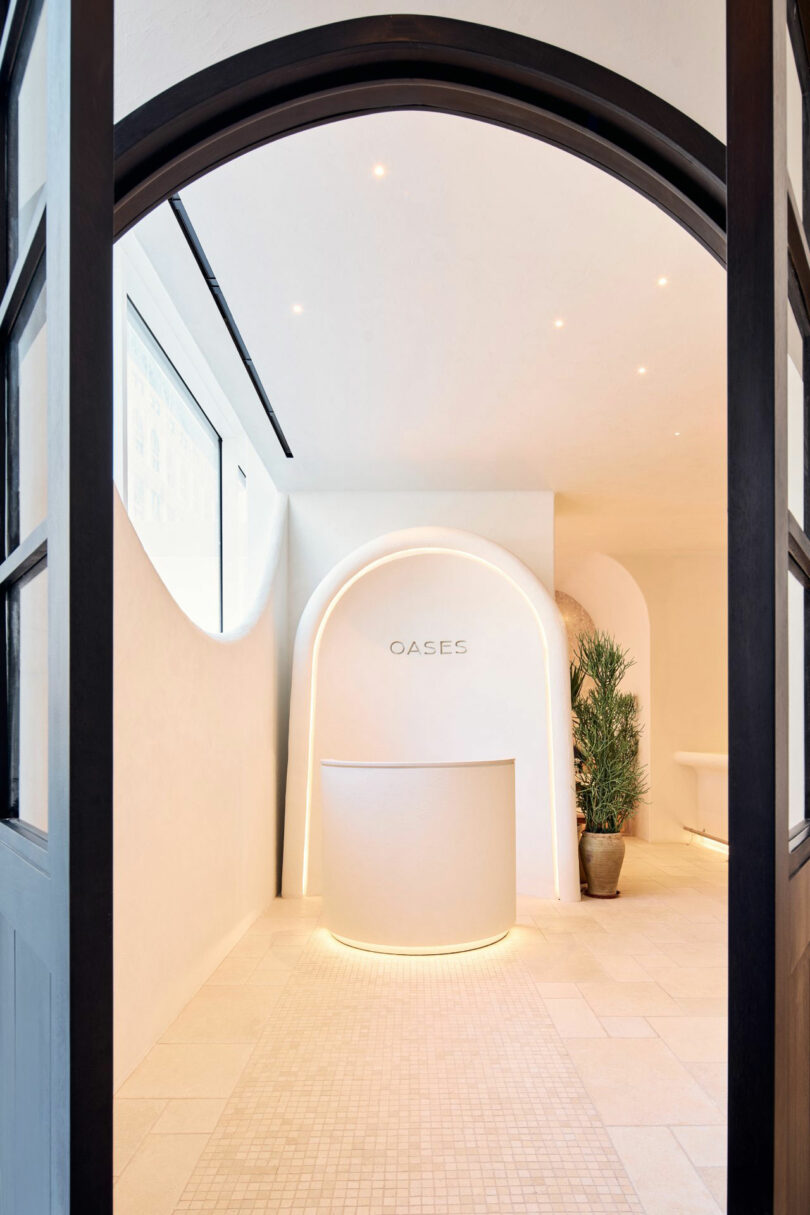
{"x":676,"y":50}
{"x":198,"y":737}
{"x":612,"y":597}
{"x":492,"y":683}
{"x":687,"y":598}
{"x":326,"y":527}
{"x":419,"y":858}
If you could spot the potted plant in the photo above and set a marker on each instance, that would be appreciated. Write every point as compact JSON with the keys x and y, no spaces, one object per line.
{"x":610,"y":781}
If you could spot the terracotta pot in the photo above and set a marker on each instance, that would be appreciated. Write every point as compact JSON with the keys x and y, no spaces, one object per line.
{"x":602,"y":857}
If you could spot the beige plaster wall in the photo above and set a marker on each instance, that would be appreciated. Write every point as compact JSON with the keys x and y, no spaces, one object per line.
{"x":199,"y":727}
{"x":686,"y":596}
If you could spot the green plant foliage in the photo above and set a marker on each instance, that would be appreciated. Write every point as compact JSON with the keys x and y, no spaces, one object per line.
{"x":610,"y":781}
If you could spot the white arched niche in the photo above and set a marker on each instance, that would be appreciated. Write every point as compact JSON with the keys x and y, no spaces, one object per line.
{"x":433,"y":645}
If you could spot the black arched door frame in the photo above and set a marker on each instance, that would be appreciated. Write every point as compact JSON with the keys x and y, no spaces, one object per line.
{"x":373,"y":64}
{"x":402,"y":62}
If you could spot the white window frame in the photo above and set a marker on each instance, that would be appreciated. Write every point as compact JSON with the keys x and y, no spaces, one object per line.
{"x":136,"y":279}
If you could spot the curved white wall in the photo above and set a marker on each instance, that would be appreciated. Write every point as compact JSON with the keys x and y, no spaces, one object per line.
{"x":198,"y":734}
{"x":614,"y":600}
{"x":249,"y":496}
{"x":435,"y":645}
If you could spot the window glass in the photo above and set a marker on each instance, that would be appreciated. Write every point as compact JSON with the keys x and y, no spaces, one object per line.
{"x":27,"y":418}
{"x":796,"y":701}
{"x":27,"y":676}
{"x":796,"y":420}
{"x":795,"y":148}
{"x":27,"y":134}
{"x":240,"y":591}
{"x":173,"y":477}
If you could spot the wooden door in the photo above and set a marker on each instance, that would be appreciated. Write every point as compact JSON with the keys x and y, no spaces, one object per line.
{"x":769,"y":573}
{"x":56,"y":610}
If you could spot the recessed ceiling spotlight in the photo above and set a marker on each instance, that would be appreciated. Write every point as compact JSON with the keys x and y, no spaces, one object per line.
{"x":642,"y":371}
{"x":558,"y":324}
{"x":298,"y":309}
{"x":379,"y":170}
{"x":663,"y":280}
{"x":677,"y":434}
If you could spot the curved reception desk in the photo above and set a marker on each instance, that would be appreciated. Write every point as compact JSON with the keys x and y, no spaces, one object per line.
{"x":418,"y":858}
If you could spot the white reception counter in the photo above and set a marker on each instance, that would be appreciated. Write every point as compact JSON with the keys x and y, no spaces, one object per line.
{"x":419,"y":858}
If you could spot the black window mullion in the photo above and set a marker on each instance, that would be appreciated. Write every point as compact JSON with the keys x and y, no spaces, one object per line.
{"x":807,"y":710}
{"x":28,"y":553}
{"x":799,"y":549}
{"x":798,"y":13}
{"x":806,"y":419}
{"x":10,"y":688}
{"x":14,"y":26}
{"x":799,"y":568}
{"x":798,"y":21}
{"x":22,"y":275}
{"x":29,"y":556}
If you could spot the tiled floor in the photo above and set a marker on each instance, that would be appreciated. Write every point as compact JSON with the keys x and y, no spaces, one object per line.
{"x":577,"y":1066}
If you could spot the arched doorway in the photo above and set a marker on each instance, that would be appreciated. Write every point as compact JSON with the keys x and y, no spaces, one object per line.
{"x":421,"y":63}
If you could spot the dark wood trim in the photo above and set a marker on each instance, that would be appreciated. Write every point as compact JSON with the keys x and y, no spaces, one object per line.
{"x":415,"y":62}
{"x":757,"y":358}
{"x":80,"y":575}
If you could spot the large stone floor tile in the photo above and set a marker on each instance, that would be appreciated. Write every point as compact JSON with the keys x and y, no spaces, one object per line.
{"x":706,"y":1146}
{"x":627,"y":1027}
{"x":187,"y":1070}
{"x":689,"y":982}
{"x":154,"y":1179}
{"x":618,"y":999}
{"x":716,"y":1180}
{"x":574,"y":1019}
{"x":638,"y":1081}
{"x":713,"y":1079}
{"x":132,"y":1121}
{"x":224,"y":1014}
{"x":694,"y":1039}
{"x":190,"y":1116}
{"x":663,"y":1176}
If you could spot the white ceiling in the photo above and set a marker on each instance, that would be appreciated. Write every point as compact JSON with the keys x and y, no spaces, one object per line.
{"x":426,"y":355}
